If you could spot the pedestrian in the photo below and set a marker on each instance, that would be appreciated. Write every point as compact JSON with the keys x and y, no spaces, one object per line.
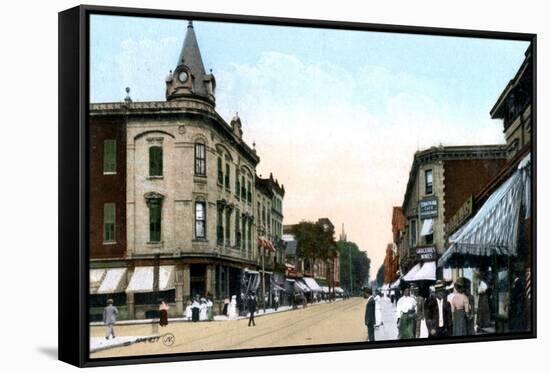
{"x":483,"y":310}
{"x":225,"y":307}
{"x":188,"y":311}
{"x":470,"y":314}
{"x":110,"y":313}
{"x":437,"y":312}
{"x":233,"y":312}
{"x":378,"y":309}
{"x":209,"y":307}
{"x":251,"y":308}
{"x":517,"y":316}
{"x":415,"y":292}
{"x":195,"y":309}
{"x":370,"y":315}
{"x":203,"y":310}
{"x":460,"y":307}
{"x":163,"y":313}
{"x":276,"y":301}
{"x":406,"y":315}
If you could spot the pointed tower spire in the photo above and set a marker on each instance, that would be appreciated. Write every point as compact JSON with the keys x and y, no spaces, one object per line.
{"x":190,"y":76}
{"x":343,"y":234}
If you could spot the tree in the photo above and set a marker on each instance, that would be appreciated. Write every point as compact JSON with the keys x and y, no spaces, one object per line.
{"x":380,"y":276}
{"x":360,"y":265}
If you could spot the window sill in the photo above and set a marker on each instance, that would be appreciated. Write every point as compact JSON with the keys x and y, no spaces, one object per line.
{"x":155,"y":177}
{"x":109,"y":173}
{"x":109,"y":242}
{"x":200,"y":240}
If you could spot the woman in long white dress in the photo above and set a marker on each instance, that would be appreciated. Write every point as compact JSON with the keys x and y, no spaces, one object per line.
{"x":377,"y":310}
{"x":188,"y":311}
{"x":203,"y":315}
{"x":232,"y":312}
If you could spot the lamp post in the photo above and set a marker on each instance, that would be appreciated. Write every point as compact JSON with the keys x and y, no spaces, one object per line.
{"x":156,"y":270}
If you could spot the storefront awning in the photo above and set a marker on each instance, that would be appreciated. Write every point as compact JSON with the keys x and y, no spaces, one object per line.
{"x":493,"y":230}
{"x":395,"y":284}
{"x":426,"y":272}
{"x":427,"y":227}
{"x":312,"y":284}
{"x":113,"y":282}
{"x":96,"y":276}
{"x":265,"y":244}
{"x":300,"y":286}
{"x":410,"y":276}
{"x":142,"y":279}
{"x":338,"y":289}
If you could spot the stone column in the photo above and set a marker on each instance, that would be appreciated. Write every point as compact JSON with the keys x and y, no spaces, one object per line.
{"x":210,"y":279}
{"x":131,"y":306}
{"x":186,"y":280}
{"x":179,"y":291}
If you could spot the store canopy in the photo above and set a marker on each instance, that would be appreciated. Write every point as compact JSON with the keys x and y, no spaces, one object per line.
{"x":113,"y":282}
{"x":493,"y":230}
{"x":96,"y":276}
{"x":324,"y":289}
{"x":395,"y":284}
{"x":265,"y":244}
{"x":427,"y":227}
{"x":312,"y":284}
{"x":338,"y":289}
{"x":142,"y":279}
{"x":410,"y":276}
{"x":426,"y":272}
{"x":300,"y":286}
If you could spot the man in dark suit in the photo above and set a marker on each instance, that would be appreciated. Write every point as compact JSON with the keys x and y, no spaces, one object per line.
{"x":251,"y":308}
{"x":370,"y":318}
{"x":437,"y":312}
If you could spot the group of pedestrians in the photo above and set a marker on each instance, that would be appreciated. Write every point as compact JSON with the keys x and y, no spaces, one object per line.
{"x":200,"y":309}
{"x":444,"y":313}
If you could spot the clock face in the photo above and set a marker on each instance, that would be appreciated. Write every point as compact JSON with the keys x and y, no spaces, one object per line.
{"x":183,"y":76}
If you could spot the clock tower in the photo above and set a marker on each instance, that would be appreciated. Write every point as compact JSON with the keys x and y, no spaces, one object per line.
{"x":189,"y":79}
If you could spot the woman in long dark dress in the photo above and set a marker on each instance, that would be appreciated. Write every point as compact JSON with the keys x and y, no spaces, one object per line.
{"x":163,"y":311}
{"x":460,"y":307}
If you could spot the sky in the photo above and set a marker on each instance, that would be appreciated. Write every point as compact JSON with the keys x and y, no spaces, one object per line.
{"x":336,"y":115}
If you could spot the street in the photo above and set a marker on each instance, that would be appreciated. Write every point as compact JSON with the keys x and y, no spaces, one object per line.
{"x":337,"y":322}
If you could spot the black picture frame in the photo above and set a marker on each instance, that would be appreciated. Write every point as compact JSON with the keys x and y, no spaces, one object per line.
{"x":73,"y":335}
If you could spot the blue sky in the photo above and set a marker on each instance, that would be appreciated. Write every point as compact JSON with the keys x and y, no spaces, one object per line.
{"x":344,"y":109}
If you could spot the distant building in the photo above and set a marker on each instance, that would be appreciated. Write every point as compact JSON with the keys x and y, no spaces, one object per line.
{"x":441,"y":178}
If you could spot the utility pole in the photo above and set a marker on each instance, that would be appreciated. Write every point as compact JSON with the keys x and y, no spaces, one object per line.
{"x":263,"y":277}
{"x":156,"y":270}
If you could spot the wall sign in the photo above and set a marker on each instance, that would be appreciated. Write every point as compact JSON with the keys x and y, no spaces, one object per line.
{"x":428,"y":208}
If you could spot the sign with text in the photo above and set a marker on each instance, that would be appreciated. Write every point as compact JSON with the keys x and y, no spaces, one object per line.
{"x":426,"y":253}
{"x":460,"y":216}
{"x":428,"y":208}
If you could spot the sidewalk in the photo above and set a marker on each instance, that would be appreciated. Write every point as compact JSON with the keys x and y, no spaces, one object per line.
{"x":259,"y":312}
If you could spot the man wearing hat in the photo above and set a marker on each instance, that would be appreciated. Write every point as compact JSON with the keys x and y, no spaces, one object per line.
{"x":370,"y":314}
{"x":110,"y":314}
{"x":415,"y":292}
{"x":437,"y":312}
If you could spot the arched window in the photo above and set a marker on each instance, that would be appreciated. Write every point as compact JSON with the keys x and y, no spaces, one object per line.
{"x":220,"y":171}
{"x":200,"y":159}
{"x":155,"y":161}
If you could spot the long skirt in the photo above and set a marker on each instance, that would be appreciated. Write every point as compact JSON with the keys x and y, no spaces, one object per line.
{"x":210,"y":313}
{"x":483,"y":312}
{"x":163,"y":318}
{"x":407,"y":326}
{"x":460,"y":326}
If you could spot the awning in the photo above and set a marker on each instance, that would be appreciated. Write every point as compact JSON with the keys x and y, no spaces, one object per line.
{"x":493,"y":230}
{"x":427,"y":227}
{"x":338,"y":289}
{"x":113,"y":282}
{"x":427,"y":272}
{"x":274,"y":286}
{"x":324,"y":289}
{"x":312,"y":284}
{"x":265,"y":244}
{"x":410,"y":276}
{"x":300,"y":286}
{"x":142,"y":279}
{"x":395,"y":284}
{"x":96,"y":276}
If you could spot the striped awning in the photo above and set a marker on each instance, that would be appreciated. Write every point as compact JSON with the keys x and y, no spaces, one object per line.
{"x":265,"y":244}
{"x":96,"y":276}
{"x":113,"y":282}
{"x":493,"y":230}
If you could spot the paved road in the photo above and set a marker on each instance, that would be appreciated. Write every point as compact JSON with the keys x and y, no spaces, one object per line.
{"x":337,"y":322}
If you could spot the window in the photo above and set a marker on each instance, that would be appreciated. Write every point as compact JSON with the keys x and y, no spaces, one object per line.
{"x":413,"y":233}
{"x":219,"y":226}
{"x":109,"y":213}
{"x":200,"y":159}
{"x":227,"y":176}
{"x":428,"y":178}
{"x":154,"y":221}
{"x":227,"y":227}
{"x":249,"y":237}
{"x":243,"y":218}
{"x":200,"y":220}
{"x":249,"y":193}
{"x":155,"y":161}
{"x":237,"y":181}
{"x":243,"y":189}
{"x":109,"y":156}
{"x":238,"y":229}
{"x":220,"y":171}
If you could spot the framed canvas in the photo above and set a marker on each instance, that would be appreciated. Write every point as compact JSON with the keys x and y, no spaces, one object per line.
{"x":235,"y":186}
